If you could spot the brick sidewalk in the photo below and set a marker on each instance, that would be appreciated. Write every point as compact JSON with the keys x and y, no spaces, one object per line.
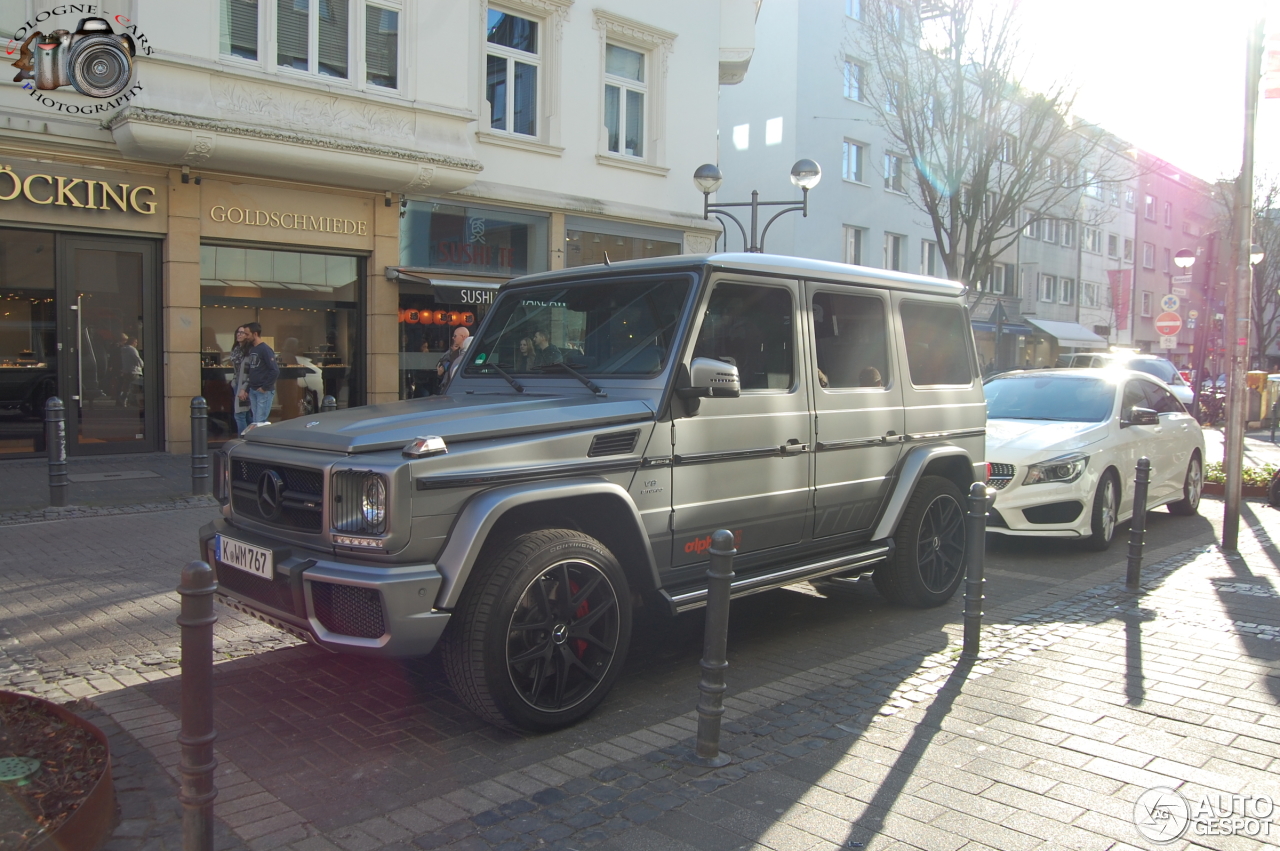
{"x":1084,"y":697}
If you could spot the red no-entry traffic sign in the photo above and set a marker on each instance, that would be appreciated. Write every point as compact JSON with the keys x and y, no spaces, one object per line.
{"x":1168,"y":324}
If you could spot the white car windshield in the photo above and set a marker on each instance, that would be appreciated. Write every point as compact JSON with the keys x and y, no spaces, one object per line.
{"x":1158,"y":367}
{"x":1050,"y":397}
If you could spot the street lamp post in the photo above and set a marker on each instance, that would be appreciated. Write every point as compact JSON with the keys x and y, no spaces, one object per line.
{"x":1238,"y":400}
{"x":1184,"y":259}
{"x":805,"y":174}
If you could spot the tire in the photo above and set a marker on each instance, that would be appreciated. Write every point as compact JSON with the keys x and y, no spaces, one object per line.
{"x":1106,"y":510}
{"x":541,"y":633}
{"x":927,"y":565}
{"x":307,"y":405}
{"x":1192,"y":487}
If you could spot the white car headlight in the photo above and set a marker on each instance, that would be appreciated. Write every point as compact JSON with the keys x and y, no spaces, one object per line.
{"x":1066,"y":468}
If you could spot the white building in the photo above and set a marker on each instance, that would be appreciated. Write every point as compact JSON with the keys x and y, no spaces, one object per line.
{"x":355,"y":175}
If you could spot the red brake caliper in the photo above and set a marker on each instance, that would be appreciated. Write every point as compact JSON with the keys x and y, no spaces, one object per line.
{"x":579,"y":646}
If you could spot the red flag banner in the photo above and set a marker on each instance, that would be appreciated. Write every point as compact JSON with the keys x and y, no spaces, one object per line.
{"x":1271,"y":66}
{"x":1119,"y":280}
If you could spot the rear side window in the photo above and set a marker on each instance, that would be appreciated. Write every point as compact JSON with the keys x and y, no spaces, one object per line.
{"x":751,"y":327}
{"x":849,"y":340}
{"x":937,"y":343}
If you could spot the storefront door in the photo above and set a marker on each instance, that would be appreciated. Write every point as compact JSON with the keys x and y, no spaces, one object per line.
{"x":109,"y":367}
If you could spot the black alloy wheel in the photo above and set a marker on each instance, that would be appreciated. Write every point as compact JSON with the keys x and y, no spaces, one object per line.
{"x":929,"y":547}
{"x":940,"y":549}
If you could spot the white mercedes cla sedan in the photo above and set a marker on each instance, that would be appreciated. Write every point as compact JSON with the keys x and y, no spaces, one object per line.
{"x":1063,"y":447}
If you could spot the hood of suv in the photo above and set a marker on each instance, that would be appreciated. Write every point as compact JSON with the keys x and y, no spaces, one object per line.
{"x":1010,"y":437}
{"x":374,"y":428}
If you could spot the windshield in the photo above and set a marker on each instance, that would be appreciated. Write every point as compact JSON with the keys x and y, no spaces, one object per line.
{"x":616,"y":326}
{"x":1158,"y":367}
{"x":1050,"y":397}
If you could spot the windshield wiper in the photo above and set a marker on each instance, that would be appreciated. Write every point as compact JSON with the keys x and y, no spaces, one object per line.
{"x":590,"y":385}
{"x":516,"y":384}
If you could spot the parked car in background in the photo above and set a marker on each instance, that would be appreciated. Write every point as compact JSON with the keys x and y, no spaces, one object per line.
{"x":1150,"y":364}
{"x":1063,"y":444}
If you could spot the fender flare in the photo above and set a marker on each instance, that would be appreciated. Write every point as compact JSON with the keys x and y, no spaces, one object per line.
{"x":913,"y":467}
{"x":483,"y":511}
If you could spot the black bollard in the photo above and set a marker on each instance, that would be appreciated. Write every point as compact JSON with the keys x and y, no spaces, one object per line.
{"x":715,"y":648}
{"x":328,"y":403}
{"x":975,"y":547}
{"x":199,"y":447}
{"x":196,"y":738}
{"x":55,"y":441}
{"x":1138,"y":526}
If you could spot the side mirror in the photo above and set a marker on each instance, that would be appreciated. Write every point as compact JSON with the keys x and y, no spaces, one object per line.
{"x":710,"y":378}
{"x":1141,"y":416}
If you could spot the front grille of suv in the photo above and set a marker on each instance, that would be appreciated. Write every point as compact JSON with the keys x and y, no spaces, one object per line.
{"x":348,"y":609}
{"x":302,"y":498}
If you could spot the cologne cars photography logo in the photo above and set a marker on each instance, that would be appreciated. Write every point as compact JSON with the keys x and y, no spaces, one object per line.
{"x":95,"y":59}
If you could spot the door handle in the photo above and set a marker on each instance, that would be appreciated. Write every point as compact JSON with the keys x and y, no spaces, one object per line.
{"x":793,"y":447}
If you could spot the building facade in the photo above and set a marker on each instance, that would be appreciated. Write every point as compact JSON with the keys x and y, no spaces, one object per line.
{"x":358,"y":176}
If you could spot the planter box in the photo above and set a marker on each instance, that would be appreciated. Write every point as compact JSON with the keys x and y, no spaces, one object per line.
{"x":1219,"y":489}
{"x":91,"y":824}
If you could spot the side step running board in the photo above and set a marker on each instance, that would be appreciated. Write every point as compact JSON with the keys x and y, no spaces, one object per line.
{"x":688,"y":600}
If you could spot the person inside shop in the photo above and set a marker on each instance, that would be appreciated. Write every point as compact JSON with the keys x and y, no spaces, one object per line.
{"x":546,"y":352}
{"x":239,"y":390}
{"x":448,"y":364}
{"x":130,"y":371}
{"x":426,"y":382}
{"x":261,"y":372}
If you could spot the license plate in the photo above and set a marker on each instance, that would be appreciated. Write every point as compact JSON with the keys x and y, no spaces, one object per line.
{"x":247,"y":557}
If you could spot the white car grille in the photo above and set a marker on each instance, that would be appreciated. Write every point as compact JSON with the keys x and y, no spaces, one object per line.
{"x":1001,"y":475}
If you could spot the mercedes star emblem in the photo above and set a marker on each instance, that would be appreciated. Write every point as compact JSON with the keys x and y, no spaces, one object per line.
{"x":270,"y":493}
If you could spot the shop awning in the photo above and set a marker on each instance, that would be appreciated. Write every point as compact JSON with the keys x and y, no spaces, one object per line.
{"x":1069,"y":334}
{"x":1007,"y":328}
{"x":450,"y":292}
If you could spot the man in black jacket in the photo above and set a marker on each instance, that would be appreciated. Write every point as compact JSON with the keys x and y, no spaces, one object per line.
{"x":261,"y":371}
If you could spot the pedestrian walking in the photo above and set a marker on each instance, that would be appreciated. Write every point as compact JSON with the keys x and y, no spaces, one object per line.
{"x":261,"y":372}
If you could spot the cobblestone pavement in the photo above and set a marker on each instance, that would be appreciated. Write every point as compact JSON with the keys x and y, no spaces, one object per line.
{"x":851,"y":723}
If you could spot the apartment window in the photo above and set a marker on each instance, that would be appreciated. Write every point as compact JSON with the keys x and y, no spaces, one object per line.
{"x":1052,"y":170}
{"x":1148,"y":256}
{"x":1066,"y":290}
{"x":929,"y":264}
{"x":893,"y":18}
{"x":1168,"y":259}
{"x":1048,"y":289}
{"x":851,"y":165}
{"x":893,"y":173}
{"x":1092,"y":188}
{"x":894,"y":251}
{"x":1114,"y":195}
{"x":1168,"y":214}
{"x":1088,"y":294}
{"x":1129,"y":196}
{"x":854,"y":75}
{"x":317,"y":37}
{"x":1128,"y":251}
{"x":989,"y":203}
{"x":892,"y":96}
{"x":1049,"y":230}
{"x":1030,"y":225}
{"x":624,"y":95}
{"x":511,"y":81}
{"x":238,"y":28}
{"x":1067,"y":233}
{"x":1149,"y":207}
{"x":854,"y":239}
{"x":1001,"y":275}
{"x":853,"y":9}
{"x":1113,"y":246}
{"x":1147,"y":299}
{"x":1007,"y":148}
{"x":1091,"y":240}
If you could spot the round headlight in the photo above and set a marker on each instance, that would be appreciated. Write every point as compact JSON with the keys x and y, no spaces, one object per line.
{"x":374,"y":503}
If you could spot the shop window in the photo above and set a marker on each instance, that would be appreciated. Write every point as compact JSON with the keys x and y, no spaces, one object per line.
{"x":583,"y":248}
{"x":28,"y":338}
{"x":353,"y":40}
{"x":308,"y":307}
{"x":472,"y":240}
{"x":429,"y":317}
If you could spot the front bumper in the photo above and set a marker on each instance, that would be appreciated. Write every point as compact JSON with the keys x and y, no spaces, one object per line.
{"x":342,"y":606}
{"x":1053,"y":510}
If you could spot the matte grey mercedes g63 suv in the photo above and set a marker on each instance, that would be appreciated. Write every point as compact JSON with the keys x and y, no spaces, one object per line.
{"x":830,"y":416}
